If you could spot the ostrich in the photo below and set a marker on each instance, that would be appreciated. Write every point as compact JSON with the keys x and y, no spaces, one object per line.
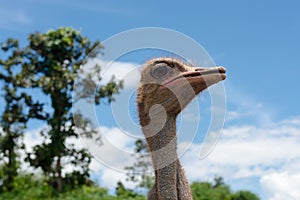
{"x":167,"y":85}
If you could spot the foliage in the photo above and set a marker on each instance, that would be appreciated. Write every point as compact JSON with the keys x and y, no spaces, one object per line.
{"x":34,"y":188}
{"x":206,"y":190}
{"x":51,"y":63}
{"x":19,"y":108}
{"x":218,"y":191}
{"x":124,"y":193}
{"x":29,"y":186}
{"x":244,"y":195}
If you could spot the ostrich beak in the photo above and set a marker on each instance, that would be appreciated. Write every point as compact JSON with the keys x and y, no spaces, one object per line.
{"x":203,"y":76}
{"x":212,"y":70}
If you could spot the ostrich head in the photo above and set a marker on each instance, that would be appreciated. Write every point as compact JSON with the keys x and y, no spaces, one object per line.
{"x":166,"y":87}
{"x":173,"y":84}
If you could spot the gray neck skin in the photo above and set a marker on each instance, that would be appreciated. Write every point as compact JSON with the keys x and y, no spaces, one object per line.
{"x":170,"y":180}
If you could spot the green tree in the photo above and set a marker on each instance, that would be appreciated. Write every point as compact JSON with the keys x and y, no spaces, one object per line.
{"x":51,"y":62}
{"x":124,"y":193}
{"x":218,"y":190}
{"x":15,"y":116}
{"x":206,"y":191}
{"x":244,"y":195}
{"x":53,"y":66}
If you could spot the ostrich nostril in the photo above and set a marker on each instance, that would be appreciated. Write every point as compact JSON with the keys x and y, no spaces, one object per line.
{"x":199,"y":69}
{"x":222,"y":69}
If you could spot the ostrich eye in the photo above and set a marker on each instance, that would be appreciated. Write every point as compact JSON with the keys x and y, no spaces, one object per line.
{"x":159,"y":71}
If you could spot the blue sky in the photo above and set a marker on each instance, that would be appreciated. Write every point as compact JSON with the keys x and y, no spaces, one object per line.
{"x":257,"y":41}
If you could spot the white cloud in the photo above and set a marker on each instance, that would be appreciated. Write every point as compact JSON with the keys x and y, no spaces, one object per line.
{"x":126,"y":71}
{"x":279,"y":186}
{"x":108,"y":163}
{"x":111,"y":157}
{"x":33,"y":137}
{"x":245,"y":152}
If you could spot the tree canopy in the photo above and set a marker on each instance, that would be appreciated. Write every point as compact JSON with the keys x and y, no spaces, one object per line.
{"x":50,"y":62}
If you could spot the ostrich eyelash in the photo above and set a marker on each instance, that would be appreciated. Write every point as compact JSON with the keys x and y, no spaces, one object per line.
{"x":170,"y":64}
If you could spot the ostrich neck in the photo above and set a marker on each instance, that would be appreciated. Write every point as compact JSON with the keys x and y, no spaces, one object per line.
{"x":170,"y":180}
